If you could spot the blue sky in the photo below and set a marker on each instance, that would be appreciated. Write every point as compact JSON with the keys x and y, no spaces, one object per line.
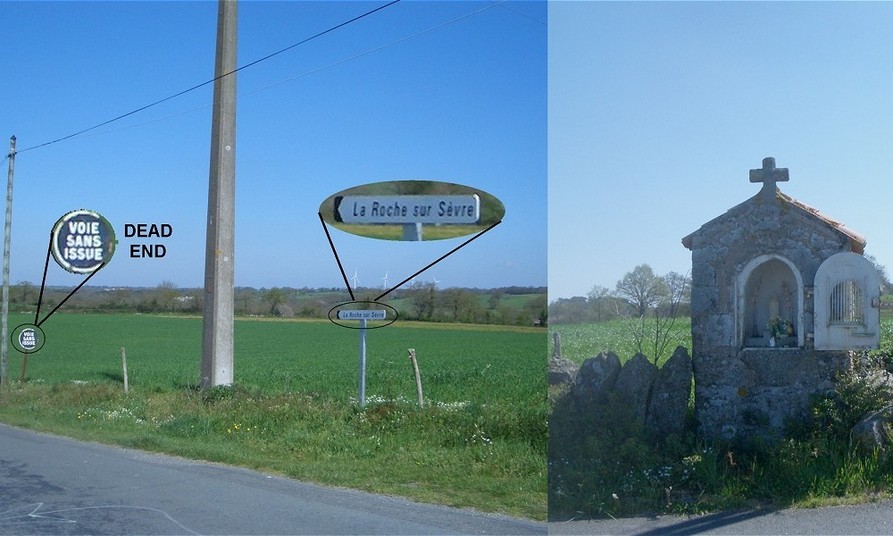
{"x":461,"y":101}
{"x":658,"y":110}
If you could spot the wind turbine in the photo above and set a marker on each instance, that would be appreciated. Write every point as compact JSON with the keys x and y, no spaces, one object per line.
{"x":436,"y":281}
{"x":356,"y":279}
{"x":385,"y":278}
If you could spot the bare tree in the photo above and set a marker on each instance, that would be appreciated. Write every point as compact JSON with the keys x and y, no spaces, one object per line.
{"x":652,"y":319}
{"x":599,"y":302}
{"x":665,"y":314}
{"x":642,"y":289}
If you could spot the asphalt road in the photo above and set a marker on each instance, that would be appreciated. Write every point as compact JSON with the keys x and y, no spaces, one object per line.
{"x":873,"y":518}
{"x":54,"y":485}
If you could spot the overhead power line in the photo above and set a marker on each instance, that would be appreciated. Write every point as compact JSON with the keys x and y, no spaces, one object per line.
{"x":203,"y":84}
{"x":314,"y":70}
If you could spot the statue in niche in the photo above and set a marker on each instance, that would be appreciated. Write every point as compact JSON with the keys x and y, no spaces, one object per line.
{"x":757,"y":329}
{"x":781,"y":314}
{"x":771,"y":308}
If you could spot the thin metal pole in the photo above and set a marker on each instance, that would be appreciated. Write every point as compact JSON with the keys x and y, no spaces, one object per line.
{"x":412,"y":232}
{"x":362,"y":381}
{"x":217,"y":329}
{"x":4,"y":330}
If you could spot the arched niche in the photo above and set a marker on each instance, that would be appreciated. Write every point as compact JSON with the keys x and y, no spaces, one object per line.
{"x":769,"y":297}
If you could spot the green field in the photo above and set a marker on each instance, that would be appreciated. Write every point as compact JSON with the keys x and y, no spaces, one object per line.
{"x":582,"y":341}
{"x":480,"y":441}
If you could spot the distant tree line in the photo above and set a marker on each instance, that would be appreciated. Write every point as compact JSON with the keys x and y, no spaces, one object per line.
{"x":525,"y":306}
{"x":638,"y":294}
{"x":641,"y":292}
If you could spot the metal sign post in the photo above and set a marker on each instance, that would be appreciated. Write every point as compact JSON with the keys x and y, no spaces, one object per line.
{"x":362,"y":315}
{"x":361,"y":387}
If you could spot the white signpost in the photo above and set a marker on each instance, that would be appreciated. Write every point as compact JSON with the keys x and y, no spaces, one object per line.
{"x":375,"y":314}
{"x":362,"y":315}
{"x":411,"y":211}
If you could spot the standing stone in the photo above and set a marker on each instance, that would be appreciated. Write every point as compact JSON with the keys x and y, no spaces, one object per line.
{"x":634,"y":383}
{"x":561,"y":370}
{"x":668,"y":406}
{"x":874,"y":431}
{"x":597,"y":376}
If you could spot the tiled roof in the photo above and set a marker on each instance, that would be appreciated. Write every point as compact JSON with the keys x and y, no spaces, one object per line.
{"x":857,"y":241}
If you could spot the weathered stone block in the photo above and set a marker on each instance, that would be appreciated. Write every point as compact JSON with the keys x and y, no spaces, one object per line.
{"x":721,"y":330}
{"x":597,"y":375}
{"x":634,"y":383}
{"x":874,"y":431}
{"x":668,"y":406}
{"x":561,"y":370}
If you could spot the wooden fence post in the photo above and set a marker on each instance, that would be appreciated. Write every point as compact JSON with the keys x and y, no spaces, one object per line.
{"x":124,"y":365}
{"x":24,"y":366}
{"x":418,"y":377}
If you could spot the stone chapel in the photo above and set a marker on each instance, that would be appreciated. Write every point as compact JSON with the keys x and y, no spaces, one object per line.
{"x":781,"y":295}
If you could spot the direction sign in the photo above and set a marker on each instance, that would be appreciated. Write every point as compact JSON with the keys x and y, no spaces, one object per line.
{"x":361,"y":314}
{"x":402,"y":209}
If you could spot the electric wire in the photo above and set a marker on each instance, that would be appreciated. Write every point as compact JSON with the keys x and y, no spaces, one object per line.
{"x":203,"y":84}
{"x":314,"y":70}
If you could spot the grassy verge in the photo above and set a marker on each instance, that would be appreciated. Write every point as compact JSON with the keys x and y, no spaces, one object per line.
{"x":479,"y":442}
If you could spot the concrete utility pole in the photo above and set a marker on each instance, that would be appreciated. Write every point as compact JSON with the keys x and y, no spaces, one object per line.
{"x":217,"y":334}
{"x":4,"y":330}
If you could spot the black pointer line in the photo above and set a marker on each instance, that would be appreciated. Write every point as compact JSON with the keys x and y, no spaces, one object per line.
{"x":70,"y":294}
{"x":455,"y":249}
{"x":332,"y":245}
{"x":43,"y":282}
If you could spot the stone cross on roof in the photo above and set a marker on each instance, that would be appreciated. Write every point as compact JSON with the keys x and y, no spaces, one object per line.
{"x":769,"y":175}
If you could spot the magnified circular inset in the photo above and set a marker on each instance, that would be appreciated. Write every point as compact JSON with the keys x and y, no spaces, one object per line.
{"x":375,"y":314}
{"x":412,"y":210}
{"x":82,"y":241}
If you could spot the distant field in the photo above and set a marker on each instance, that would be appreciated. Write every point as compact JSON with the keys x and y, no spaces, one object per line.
{"x":582,"y":341}
{"x":480,"y":363}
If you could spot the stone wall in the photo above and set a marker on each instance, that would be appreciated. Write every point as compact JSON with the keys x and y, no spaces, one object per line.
{"x":657,"y":396}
